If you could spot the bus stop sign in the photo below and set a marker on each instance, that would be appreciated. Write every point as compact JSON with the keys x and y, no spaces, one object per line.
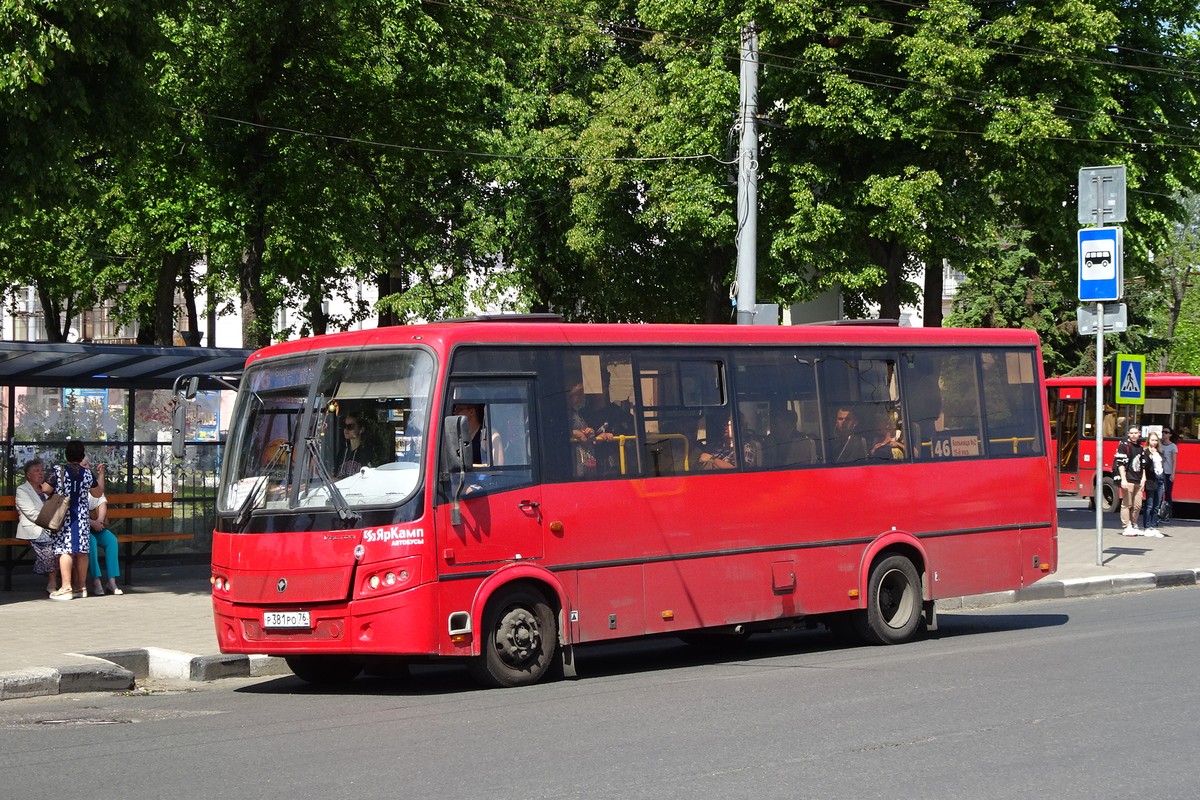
{"x":1101,"y":265}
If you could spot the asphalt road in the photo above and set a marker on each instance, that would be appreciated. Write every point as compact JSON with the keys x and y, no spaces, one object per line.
{"x":1081,"y":698}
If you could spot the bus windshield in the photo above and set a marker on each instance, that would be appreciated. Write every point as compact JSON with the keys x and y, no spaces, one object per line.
{"x":341,"y":429}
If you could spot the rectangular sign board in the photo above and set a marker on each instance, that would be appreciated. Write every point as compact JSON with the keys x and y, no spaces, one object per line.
{"x":1115,"y":319}
{"x":1101,"y":195}
{"x":1101,"y":265}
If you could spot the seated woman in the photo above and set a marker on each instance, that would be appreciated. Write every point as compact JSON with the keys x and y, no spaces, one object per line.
{"x":722,"y":455}
{"x":887,"y":446}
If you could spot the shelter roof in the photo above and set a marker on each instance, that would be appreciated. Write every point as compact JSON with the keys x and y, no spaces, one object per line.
{"x":115,"y":366}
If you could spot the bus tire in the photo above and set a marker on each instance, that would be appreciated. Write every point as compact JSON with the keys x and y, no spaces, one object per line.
{"x":521,"y":639}
{"x":893,"y":611}
{"x":325,"y":670}
{"x":1112,"y":499}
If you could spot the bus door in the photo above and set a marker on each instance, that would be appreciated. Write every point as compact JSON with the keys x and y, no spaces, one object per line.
{"x":1066,"y":444}
{"x":500,"y":517}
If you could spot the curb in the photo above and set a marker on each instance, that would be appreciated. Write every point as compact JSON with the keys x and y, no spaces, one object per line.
{"x":1077,"y":587}
{"x":119,"y":670}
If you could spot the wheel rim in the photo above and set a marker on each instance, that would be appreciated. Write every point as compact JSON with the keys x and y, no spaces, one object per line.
{"x":518,"y":637}
{"x":896,"y":599}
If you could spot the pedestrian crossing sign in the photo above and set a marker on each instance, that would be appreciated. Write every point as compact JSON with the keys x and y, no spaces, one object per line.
{"x":1130,"y":379}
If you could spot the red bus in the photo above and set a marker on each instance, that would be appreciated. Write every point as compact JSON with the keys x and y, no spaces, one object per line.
{"x":1172,"y":401}
{"x":499,"y":491}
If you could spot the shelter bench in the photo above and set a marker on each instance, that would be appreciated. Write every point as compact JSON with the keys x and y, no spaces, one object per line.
{"x":131,"y":506}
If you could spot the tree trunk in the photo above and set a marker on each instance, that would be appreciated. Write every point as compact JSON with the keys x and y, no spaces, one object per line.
{"x":56,"y":330}
{"x":164,"y":300}
{"x":934,"y":286}
{"x":717,"y":308}
{"x":256,"y":311}
{"x":890,"y":257}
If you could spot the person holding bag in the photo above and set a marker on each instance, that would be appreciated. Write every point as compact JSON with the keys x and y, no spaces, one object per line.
{"x":75,"y":482}
{"x":29,"y":499}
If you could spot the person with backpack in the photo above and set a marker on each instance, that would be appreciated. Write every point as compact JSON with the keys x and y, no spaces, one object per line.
{"x":1127,"y":464}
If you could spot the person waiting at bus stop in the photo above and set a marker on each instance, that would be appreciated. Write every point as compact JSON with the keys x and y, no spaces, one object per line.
{"x":1127,"y":463}
{"x":29,"y":498}
{"x":1170,"y":452}
{"x":1152,"y":463}
{"x":102,"y":539}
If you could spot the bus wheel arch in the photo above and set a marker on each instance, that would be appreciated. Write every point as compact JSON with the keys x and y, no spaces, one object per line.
{"x":518,"y":636}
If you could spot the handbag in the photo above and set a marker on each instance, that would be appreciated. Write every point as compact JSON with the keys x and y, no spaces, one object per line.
{"x":53,"y":512}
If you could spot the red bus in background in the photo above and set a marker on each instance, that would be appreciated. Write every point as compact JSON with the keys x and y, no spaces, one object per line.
{"x":502,"y":490}
{"x":1172,"y":401}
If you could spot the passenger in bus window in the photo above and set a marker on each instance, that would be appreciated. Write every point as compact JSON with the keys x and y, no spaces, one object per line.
{"x":596,"y":422}
{"x":848,"y":443}
{"x":888,"y":446}
{"x":1110,"y":422}
{"x":481,"y":455}
{"x":724,"y":454}
{"x":784,"y":446}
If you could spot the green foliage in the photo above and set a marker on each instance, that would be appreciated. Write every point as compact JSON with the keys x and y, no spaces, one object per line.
{"x":575,"y":156}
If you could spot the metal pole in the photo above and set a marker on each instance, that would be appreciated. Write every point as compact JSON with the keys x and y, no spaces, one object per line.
{"x":1098,"y":427}
{"x":747,"y":201}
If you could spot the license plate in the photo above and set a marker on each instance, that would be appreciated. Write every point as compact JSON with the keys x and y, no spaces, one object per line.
{"x":286,"y":619}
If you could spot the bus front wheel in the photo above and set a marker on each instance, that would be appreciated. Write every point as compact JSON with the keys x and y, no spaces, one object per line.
{"x":893,"y":609}
{"x":325,"y":670}
{"x":520,"y":639}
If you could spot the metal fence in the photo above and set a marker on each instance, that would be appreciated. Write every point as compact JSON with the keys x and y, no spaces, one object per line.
{"x":142,"y":466}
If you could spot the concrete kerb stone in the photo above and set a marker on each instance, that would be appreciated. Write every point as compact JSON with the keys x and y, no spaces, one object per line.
{"x":119,"y":670}
{"x":104,"y":676}
{"x":32,"y":682}
{"x":1076,"y":587}
{"x":266,"y":666}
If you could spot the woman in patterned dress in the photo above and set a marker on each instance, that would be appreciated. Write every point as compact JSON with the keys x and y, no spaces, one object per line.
{"x":75,"y":481}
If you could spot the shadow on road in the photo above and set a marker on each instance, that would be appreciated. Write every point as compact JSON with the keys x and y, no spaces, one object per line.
{"x":660,"y":653}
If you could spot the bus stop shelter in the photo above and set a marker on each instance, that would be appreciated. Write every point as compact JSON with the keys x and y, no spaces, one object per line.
{"x":114,"y":397}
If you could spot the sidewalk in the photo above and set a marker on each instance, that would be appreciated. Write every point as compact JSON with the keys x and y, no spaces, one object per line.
{"x":162,"y":627}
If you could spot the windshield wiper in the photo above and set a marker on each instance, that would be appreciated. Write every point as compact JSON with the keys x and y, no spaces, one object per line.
{"x":344,"y":512}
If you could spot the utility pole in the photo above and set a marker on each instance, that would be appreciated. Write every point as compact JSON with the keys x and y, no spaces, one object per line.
{"x":747,"y":197}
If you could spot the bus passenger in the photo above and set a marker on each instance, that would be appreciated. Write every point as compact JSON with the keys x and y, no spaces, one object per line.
{"x":888,"y":447}
{"x":722,"y":456}
{"x":481,"y":456}
{"x":848,"y":444}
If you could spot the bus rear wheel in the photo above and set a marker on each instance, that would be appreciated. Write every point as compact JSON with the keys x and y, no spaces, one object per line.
{"x":325,"y":670}
{"x":520,"y":640}
{"x":893,"y":610}
{"x":1112,"y":500}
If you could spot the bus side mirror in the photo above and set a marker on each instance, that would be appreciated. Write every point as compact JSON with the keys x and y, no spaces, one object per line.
{"x":456,"y":454}
{"x":178,"y":422}
{"x":184,"y":389}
